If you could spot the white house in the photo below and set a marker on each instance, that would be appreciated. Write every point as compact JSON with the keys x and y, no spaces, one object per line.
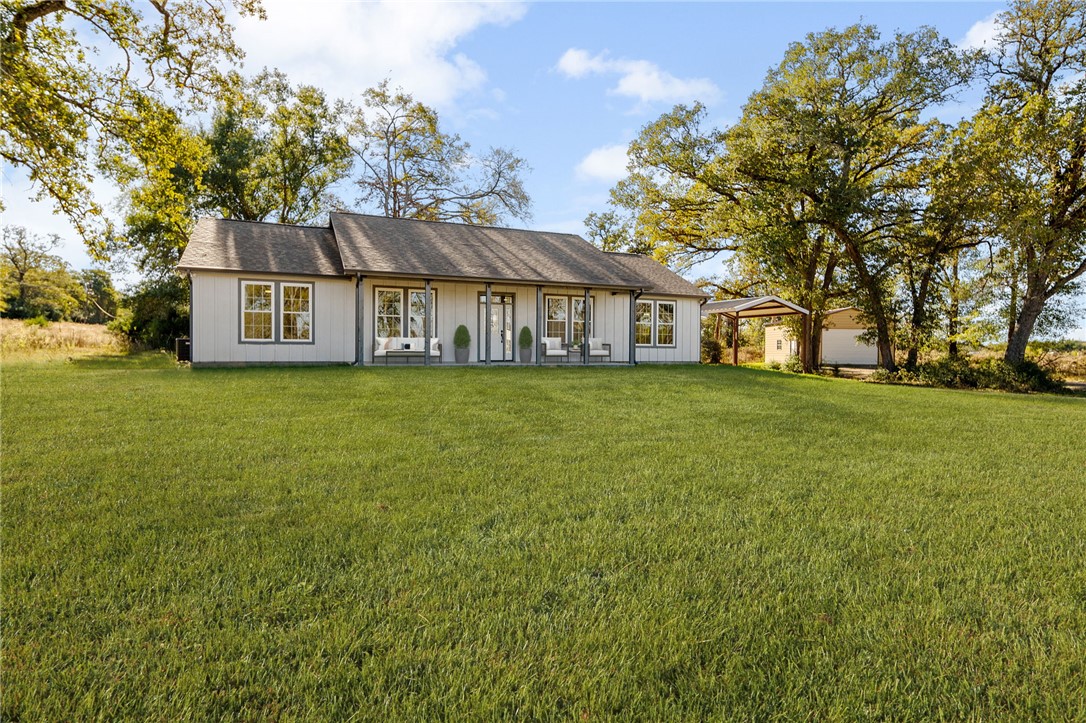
{"x":355,"y":292}
{"x":840,"y":341}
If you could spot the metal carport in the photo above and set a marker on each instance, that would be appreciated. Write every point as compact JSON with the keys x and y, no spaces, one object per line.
{"x":753,"y":308}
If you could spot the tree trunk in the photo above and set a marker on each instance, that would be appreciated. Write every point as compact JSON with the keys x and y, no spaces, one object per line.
{"x":1022,"y":328}
{"x":955,"y":310}
{"x":876,"y":307}
{"x":814,"y":332}
{"x":918,"y":319}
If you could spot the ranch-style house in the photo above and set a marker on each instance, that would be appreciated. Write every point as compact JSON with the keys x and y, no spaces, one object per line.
{"x":370,"y":290}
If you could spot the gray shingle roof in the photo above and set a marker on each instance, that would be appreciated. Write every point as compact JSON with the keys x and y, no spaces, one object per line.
{"x":261,"y":248}
{"x":404,"y":247}
{"x":375,"y":245}
{"x":656,"y":278}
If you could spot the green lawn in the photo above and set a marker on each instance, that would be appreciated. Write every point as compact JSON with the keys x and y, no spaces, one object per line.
{"x":653,"y":543}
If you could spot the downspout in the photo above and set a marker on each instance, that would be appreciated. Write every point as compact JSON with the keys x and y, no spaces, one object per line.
{"x":188,"y":275}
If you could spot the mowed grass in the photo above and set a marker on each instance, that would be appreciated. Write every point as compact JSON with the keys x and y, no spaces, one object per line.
{"x":600,"y":544}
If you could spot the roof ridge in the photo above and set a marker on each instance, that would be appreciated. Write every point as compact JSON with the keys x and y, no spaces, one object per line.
{"x":452,"y":223}
{"x":266,"y":223}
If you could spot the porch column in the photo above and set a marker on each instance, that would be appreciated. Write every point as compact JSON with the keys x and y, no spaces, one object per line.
{"x":584,"y":341}
{"x":633,"y":328}
{"x":735,"y":340}
{"x":360,"y":319}
{"x":538,"y":325}
{"x":486,"y":322}
{"x":426,"y":326}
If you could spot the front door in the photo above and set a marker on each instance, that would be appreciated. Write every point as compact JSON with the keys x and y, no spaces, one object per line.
{"x":502,"y":347}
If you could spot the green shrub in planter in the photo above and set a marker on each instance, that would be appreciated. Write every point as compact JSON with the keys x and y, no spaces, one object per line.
{"x":525,"y":338}
{"x":461,"y":337}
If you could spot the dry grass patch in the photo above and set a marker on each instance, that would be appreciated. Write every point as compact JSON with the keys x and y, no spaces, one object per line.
{"x":18,"y":339}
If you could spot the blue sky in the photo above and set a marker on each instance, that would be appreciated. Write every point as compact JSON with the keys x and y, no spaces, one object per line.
{"x":566,"y":85}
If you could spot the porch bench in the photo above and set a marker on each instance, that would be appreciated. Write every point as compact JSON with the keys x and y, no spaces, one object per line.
{"x":399,"y":347}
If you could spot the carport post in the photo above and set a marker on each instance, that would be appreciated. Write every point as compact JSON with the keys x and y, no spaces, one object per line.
{"x":735,"y":340}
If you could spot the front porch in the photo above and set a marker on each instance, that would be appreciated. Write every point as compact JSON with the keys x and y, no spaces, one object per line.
{"x":567,"y":325}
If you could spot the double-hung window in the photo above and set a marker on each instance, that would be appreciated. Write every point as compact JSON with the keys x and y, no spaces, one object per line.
{"x":297,"y":310}
{"x":257,"y":311}
{"x":276,"y":311}
{"x":395,"y":316}
{"x":565,"y":317}
{"x":654,"y":323}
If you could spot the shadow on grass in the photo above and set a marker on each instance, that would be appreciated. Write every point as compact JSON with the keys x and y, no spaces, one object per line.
{"x":135,"y":360}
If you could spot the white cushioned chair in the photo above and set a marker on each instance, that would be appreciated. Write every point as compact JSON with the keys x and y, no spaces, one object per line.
{"x":598,"y":349}
{"x":551,"y":347}
{"x":405,"y":348}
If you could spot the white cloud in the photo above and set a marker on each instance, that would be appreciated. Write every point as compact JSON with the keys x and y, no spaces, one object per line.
{"x":607,"y":163}
{"x":982,"y":35}
{"x":346,"y":47}
{"x":640,"y":79}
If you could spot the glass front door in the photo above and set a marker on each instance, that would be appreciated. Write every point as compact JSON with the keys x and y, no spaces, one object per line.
{"x":502,"y":345}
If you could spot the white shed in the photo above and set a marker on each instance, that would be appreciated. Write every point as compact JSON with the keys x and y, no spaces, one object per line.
{"x":840,"y":341}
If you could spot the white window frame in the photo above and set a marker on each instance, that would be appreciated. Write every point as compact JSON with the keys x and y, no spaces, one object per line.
{"x":654,"y":320}
{"x":405,"y":293}
{"x":656,"y":323}
{"x":567,"y":330}
{"x":283,"y":312}
{"x":245,"y":283}
{"x":547,"y":321}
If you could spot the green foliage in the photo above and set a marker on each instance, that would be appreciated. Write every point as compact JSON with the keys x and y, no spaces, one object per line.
{"x":461,"y":337}
{"x":33,"y":281}
{"x":710,"y":350}
{"x":965,"y":373}
{"x":277,"y":150}
{"x":410,"y":168}
{"x":907,"y":547}
{"x":65,"y":113}
{"x":38,"y":321}
{"x":155,"y":313}
{"x":525,"y":339}
{"x":793,"y":365}
{"x":1031,"y":137}
{"x":100,"y":300}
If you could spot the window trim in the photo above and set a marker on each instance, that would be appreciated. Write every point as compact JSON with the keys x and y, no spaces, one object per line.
{"x":567,"y":337}
{"x":655,"y":320}
{"x":652,"y":323}
{"x":277,"y":311}
{"x":283,"y":312}
{"x":405,"y":309}
{"x":242,"y":283}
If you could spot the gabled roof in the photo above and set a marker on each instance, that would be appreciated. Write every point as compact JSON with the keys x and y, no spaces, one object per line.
{"x":656,"y":277}
{"x":227,"y":245}
{"x":405,"y":247}
{"x":752,"y":307}
{"x":379,"y":246}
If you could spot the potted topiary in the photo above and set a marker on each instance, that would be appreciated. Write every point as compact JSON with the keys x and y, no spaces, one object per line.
{"x":461,"y":342}
{"x":525,"y":346}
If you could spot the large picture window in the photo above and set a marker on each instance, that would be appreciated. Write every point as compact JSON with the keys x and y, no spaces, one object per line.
{"x":257,"y":309}
{"x":654,"y":323}
{"x":394,"y":317}
{"x":565,"y":317}
{"x":297,"y":312}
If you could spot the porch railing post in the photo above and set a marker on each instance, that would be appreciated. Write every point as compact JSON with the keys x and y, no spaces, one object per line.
{"x":488,"y":323}
{"x":360,"y":319}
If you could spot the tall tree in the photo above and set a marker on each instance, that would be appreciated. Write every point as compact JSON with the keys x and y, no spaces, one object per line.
{"x":33,"y":280}
{"x":1034,"y":127}
{"x":410,"y":168}
{"x":276,"y":152}
{"x":63,"y":109}
{"x":841,"y":123}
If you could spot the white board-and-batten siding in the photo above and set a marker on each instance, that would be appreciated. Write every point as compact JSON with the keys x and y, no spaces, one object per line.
{"x":216,"y":322}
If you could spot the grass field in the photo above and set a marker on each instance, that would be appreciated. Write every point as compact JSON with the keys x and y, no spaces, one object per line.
{"x":586,"y":544}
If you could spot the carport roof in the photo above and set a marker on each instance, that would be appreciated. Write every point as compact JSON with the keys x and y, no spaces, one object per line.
{"x":752,"y":307}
